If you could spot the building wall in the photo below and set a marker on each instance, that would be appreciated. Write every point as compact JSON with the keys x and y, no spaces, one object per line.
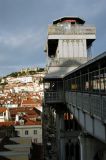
{"x":72,"y":48}
{"x":4,"y":116}
{"x":33,"y":131}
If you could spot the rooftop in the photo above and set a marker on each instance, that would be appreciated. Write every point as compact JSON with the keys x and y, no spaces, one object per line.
{"x":77,"y":19}
{"x":2,"y":109}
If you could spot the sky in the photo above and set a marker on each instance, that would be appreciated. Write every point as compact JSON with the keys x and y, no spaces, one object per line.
{"x":24,"y":24}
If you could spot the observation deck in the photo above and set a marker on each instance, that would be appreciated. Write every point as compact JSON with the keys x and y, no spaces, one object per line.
{"x":77,"y":29}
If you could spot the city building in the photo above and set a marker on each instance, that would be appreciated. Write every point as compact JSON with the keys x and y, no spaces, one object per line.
{"x":30,"y":129}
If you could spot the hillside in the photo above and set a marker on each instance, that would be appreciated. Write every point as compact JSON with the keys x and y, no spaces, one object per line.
{"x":26,"y":72}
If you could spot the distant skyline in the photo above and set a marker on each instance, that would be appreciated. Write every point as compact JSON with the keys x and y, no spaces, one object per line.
{"x":24,"y":24}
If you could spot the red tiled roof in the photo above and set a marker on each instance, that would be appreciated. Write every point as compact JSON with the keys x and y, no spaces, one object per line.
{"x":31,"y":116}
{"x":2,"y":109}
{"x":30,"y":112}
{"x":27,"y":110}
{"x":8,"y":123}
{"x":30,"y":122}
{"x":28,"y":101}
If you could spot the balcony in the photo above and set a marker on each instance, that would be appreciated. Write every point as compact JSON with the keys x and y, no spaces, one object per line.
{"x":80,"y":29}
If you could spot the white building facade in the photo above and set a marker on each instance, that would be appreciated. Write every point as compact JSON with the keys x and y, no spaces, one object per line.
{"x":33,"y":131}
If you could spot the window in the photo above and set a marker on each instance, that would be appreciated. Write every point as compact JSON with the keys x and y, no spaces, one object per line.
{"x":103,"y":80}
{"x":26,"y":132}
{"x":35,"y":131}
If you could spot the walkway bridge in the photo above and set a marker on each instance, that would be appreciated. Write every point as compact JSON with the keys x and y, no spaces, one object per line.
{"x":83,"y":92}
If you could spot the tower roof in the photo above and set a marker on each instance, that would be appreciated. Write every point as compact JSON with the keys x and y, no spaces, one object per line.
{"x":77,"y":19}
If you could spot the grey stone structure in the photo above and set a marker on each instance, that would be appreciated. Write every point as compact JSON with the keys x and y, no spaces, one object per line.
{"x":65,"y":135}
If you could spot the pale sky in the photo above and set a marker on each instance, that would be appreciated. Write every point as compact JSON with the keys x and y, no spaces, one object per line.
{"x":24,"y":23}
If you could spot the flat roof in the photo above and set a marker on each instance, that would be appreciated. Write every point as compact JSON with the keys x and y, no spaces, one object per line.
{"x":13,"y":153}
{"x":58,"y":72}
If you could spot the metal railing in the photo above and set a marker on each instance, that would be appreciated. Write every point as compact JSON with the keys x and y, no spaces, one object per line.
{"x":91,"y":103}
{"x":54,"y":97}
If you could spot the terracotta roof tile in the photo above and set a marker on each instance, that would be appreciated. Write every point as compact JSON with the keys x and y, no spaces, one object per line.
{"x":8,"y":123}
{"x":2,"y":109}
{"x":28,"y":101}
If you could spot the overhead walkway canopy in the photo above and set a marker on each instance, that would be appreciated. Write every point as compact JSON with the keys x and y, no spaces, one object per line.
{"x":84,"y":93}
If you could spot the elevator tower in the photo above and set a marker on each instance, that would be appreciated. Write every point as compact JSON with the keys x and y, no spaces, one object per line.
{"x":69,"y":44}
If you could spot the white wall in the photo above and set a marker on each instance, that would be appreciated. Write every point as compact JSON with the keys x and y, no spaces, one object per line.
{"x":31,"y":128}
